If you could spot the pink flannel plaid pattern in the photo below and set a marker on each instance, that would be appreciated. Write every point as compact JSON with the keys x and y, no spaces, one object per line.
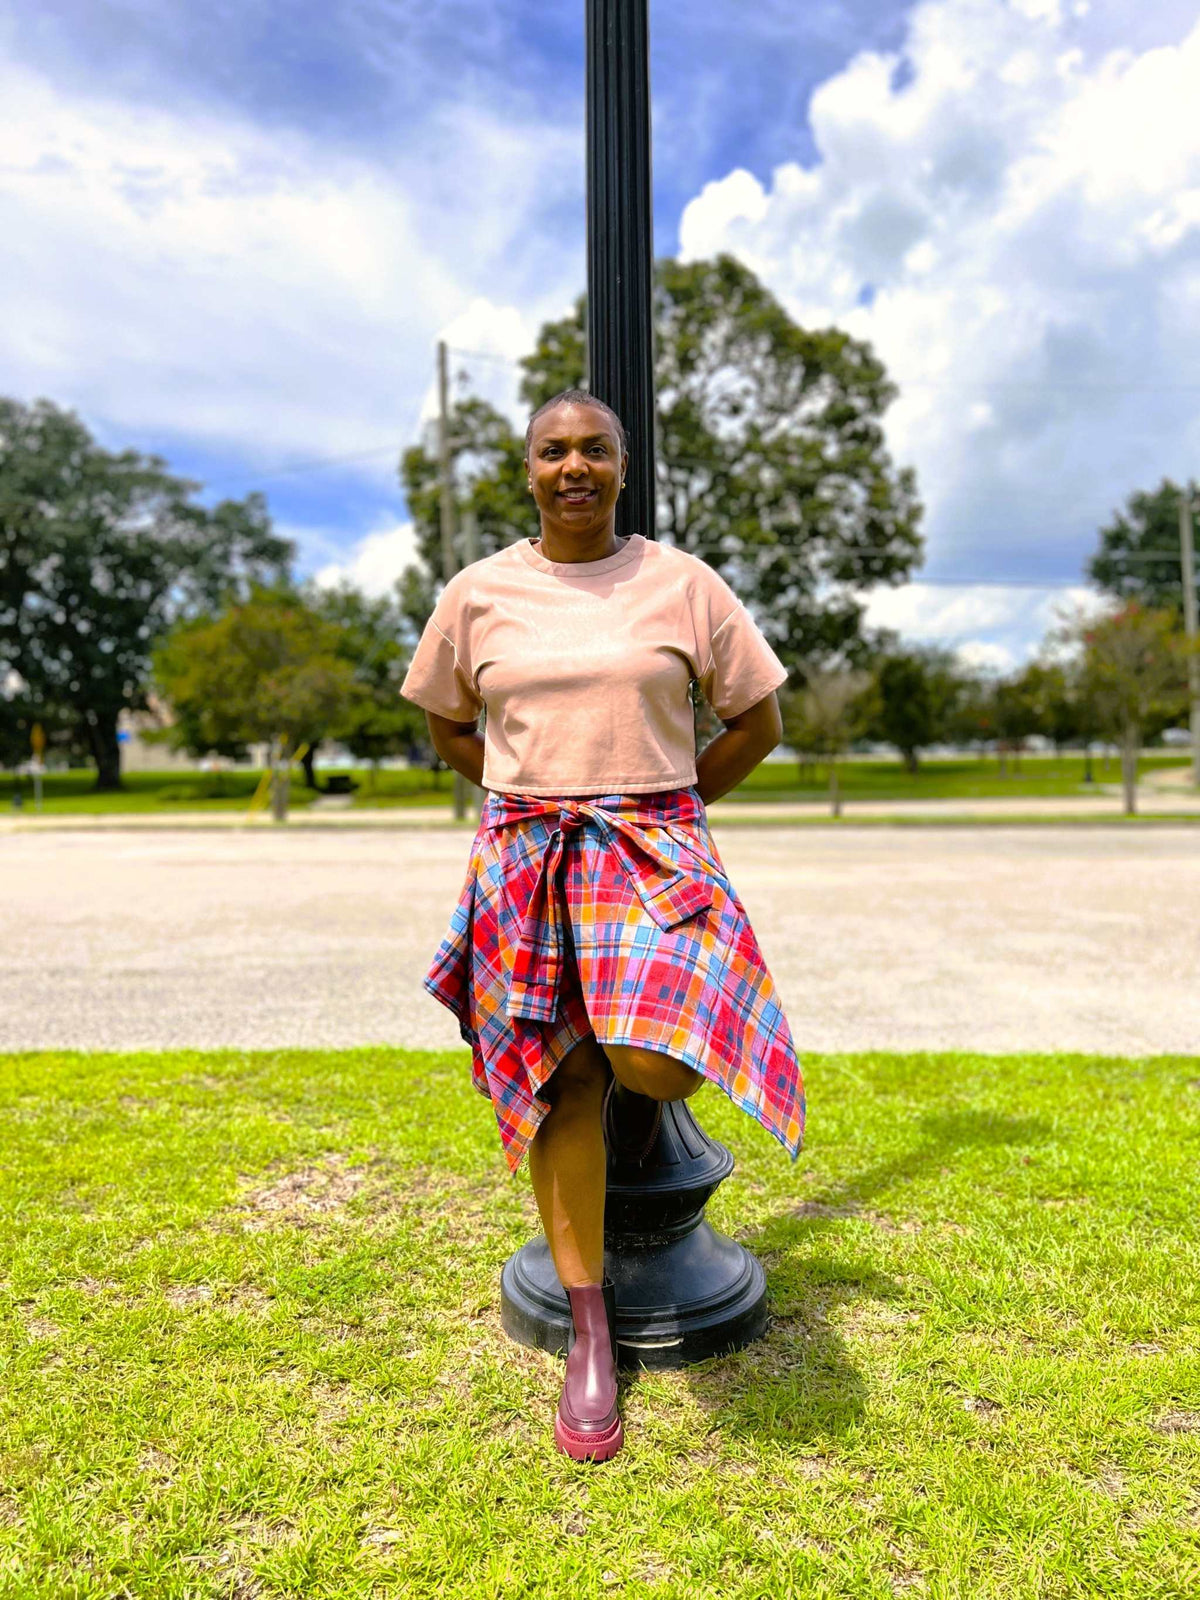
{"x":613,"y":915}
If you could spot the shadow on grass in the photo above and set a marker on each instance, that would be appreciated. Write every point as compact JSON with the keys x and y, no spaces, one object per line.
{"x":947,"y":1134}
{"x":797,"y":1385}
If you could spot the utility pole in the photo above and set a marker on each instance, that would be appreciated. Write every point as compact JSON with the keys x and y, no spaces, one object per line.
{"x":1188,"y":557}
{"x":449,"y":555}
{"x":470,"y":531}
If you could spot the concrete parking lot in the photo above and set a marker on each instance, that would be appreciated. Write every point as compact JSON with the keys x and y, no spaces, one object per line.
{"x":1030,"y":938}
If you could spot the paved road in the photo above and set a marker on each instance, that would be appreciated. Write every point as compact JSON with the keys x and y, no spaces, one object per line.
{"x":1035,"y":938}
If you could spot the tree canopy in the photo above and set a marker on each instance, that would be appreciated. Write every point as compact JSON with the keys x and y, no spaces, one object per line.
{"x":1139,"y":556}
{"x":1134,"y":668}
{"x":914,"y":700}
{"x":376,"y":722}
{"x":771,"y":462}
{"x":268,"y":669}
{"x":100,"y":552}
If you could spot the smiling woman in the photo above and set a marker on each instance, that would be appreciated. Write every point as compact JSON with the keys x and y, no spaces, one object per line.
{"x":574,"y":472}
{"x":598,"y":948}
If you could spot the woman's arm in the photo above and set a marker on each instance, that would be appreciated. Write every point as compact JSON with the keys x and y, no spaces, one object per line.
{"x":747,"y":738}
{"x":722,"y":765}
{"x":458,"y":744}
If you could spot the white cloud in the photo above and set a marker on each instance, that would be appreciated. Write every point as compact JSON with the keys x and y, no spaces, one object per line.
{"x":1015,"y":226}
{"x":171,"y":272}
{"x":375,"y":562}
{"x":982,"y":657}
{"x":993,"y":625}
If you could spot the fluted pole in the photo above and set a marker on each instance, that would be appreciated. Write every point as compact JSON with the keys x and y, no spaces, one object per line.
{"x":620,"y":240}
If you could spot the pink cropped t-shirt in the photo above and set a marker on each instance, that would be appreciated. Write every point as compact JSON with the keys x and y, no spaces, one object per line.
{"x":584,"y":667}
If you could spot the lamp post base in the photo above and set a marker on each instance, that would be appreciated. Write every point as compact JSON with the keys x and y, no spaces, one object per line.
{"x":684,"y":1292}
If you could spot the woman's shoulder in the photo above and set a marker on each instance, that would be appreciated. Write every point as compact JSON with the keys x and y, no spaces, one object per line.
{"x":667,"y":562}
{"x":470,"y":581}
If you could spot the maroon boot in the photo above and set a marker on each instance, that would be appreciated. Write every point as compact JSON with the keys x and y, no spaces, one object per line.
{"x":587,"y":1426}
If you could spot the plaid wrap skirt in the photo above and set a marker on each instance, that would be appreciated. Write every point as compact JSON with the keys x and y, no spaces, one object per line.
{"x":613,"y":915}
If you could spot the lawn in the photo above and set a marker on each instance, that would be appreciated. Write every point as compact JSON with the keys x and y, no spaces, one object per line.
{"x":966,"y":778}
{"x":74,"y":792}
{"x":962,"y":778}
{"x":252,"y":1346}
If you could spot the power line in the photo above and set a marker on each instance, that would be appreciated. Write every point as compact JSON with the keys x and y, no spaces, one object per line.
{"x":1120,"y":385}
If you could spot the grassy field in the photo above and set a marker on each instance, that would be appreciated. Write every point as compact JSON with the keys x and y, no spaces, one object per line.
{"x":964,"y":779}
{"x":73,"y":792}
{"x":251,"y":1345}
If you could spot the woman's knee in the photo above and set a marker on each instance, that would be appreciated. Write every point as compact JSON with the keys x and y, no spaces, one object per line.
{"x":653,"y":1073}
{"x":580,"y":1075}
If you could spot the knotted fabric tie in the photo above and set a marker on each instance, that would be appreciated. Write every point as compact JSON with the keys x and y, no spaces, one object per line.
{"x":669,"y":892}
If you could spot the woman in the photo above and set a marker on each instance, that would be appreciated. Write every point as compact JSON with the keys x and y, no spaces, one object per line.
{"x":598,"y":948}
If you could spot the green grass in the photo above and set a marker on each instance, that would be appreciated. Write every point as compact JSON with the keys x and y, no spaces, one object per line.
{"x":250,"y":1343}
{"x":165,"y":792}
{"x":966,"y":779}
{"x":65,"y":793}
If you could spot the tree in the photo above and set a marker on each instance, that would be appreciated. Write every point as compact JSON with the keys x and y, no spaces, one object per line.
{"x":970,"y":718}
{"x":265,"y":671}
{"x":1133,"y":670}
{"x":487,"y":462}
{"x":915,"y":695}
{"x":1055,"y":706}
{"x":17,"y":717}
{"x":825,"y":716}
{"x":770,"y":456}
{"x":1016,"y":715}
{"x":377,"y":721}
{"x":99,"y":554}
{"x":1139,"y":556}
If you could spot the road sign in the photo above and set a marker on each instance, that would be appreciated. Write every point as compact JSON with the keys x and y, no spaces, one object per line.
{"x":37,"y":739}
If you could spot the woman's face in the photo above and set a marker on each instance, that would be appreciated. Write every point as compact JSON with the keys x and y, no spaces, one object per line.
{"x":575,"y":468}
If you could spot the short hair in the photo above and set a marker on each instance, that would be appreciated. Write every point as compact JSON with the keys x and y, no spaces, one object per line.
{"x":578,"y":397}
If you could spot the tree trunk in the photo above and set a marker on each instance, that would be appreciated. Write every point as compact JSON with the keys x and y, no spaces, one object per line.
{"x":1088,"y":776}
{"x":911,"y":762}
{"x":835,"y":793}
{"x":1130,"y":745}
{"x":306,"y":762}
{"x":101,"y":730}
{"x":281,"y":779}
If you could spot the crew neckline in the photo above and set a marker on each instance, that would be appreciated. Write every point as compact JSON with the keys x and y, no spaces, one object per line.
{"x":582,"y":569}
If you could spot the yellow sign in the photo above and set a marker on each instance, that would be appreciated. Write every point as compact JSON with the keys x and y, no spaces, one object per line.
{"x":37,"y":739}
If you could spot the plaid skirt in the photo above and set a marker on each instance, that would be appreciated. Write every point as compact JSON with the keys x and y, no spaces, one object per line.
{"x":611,"y":915}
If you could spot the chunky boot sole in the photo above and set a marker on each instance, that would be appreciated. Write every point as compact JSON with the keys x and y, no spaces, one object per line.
{"x":588,"y":1446}
{"x":594,"y":1445}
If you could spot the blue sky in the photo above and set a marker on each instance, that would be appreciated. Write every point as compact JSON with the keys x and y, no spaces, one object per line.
{"x":234,"y":233}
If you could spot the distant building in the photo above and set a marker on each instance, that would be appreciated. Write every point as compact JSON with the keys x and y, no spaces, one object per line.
{"x":142,"y":752}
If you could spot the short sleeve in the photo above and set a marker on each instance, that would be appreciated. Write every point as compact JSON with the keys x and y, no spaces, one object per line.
{"x":439,"y":675}
{"x":742,"y":668}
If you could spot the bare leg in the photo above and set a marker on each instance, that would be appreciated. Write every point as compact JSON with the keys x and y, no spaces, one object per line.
{"x":652,"y":1073}
{"x":567,"y":1166}
{"x":567,"y":1158}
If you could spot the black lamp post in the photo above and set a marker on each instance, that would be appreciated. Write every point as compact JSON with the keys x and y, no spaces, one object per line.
{"x":620,"y":239}
{"x":683,"y":1292}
